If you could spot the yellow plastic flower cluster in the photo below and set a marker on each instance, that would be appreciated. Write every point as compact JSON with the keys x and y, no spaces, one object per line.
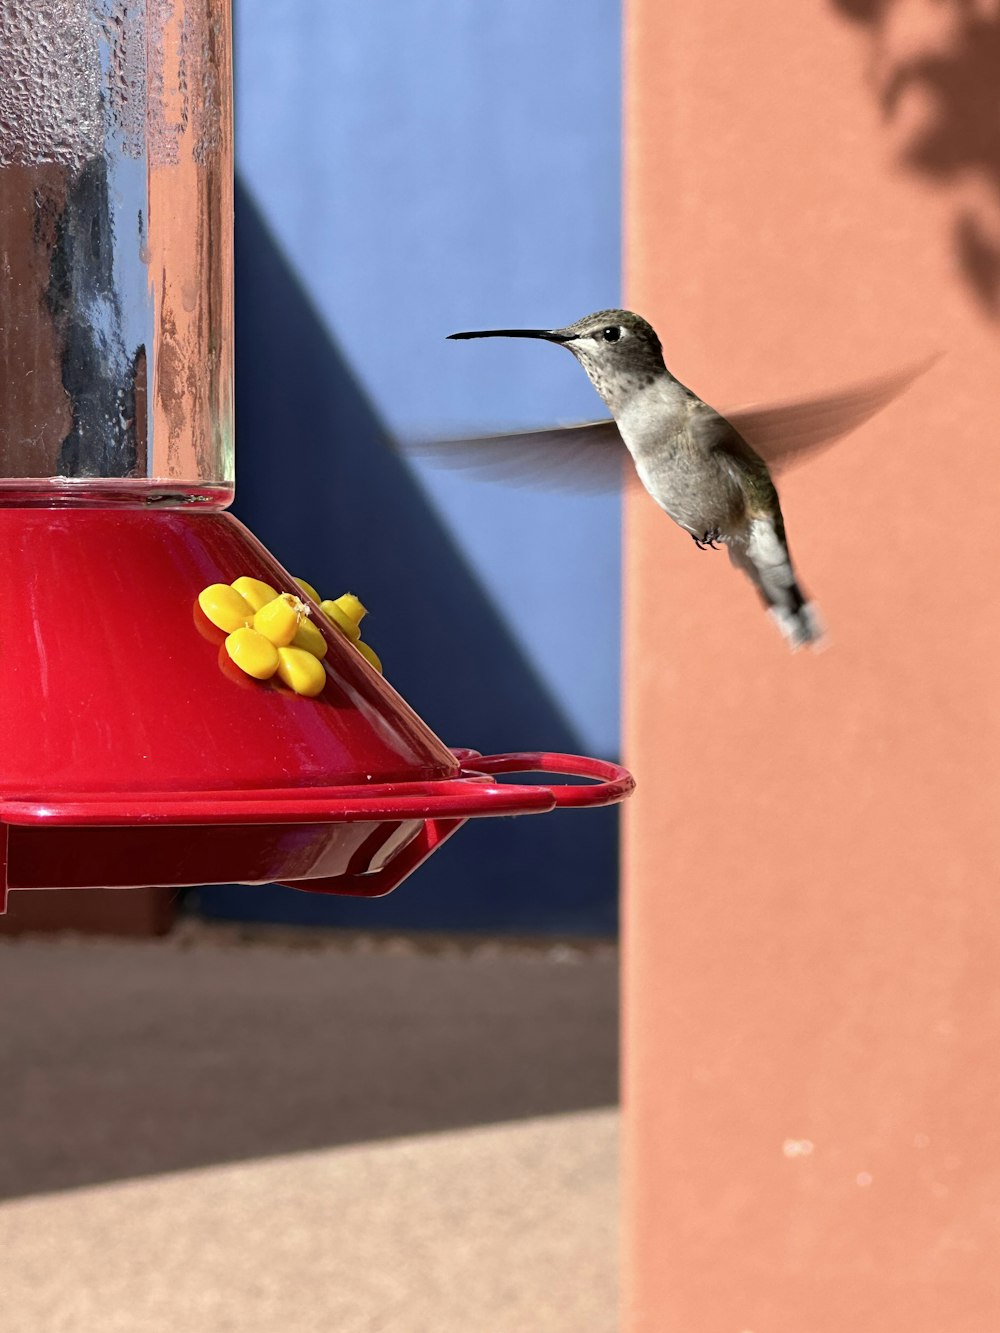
{"x":270,"y":633}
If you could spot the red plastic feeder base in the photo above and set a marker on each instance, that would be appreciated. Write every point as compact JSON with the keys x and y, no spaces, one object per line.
{"x":133,"y":753}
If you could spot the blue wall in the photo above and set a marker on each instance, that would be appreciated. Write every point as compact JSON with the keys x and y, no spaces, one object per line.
{"x":407,"y":169}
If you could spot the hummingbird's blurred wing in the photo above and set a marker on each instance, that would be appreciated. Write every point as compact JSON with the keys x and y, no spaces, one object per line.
{"x":588,"y":457}
{"x":784,"y":433}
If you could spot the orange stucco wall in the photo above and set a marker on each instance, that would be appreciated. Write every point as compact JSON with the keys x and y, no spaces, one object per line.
{"x":812,"y":898}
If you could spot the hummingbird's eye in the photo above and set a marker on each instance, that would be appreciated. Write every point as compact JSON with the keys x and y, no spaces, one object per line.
{"x":611,"y":335}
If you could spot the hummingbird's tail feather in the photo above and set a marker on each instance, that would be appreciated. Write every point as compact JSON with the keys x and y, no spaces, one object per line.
{"x":800,"y":627}
{"x":765,"y":560}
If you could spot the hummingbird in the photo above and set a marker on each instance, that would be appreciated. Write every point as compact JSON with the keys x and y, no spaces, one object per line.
{"x":697,"y":464}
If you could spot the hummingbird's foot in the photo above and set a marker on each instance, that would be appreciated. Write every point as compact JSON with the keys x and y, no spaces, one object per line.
{"x":707,"y":539}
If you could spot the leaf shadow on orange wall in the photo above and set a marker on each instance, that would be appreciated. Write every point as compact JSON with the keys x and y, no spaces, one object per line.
{"x":934,"y":69}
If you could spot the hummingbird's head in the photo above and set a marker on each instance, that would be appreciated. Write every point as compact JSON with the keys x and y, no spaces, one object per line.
{"x":619,"y":350}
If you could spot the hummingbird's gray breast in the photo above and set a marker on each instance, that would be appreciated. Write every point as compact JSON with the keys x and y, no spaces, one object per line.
{"x":664,"y":430}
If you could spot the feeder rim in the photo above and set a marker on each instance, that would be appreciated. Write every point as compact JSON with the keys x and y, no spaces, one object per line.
{"x":471,"y":794}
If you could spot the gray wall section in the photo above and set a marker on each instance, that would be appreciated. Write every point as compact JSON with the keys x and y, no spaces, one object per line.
{"x":407,"y":170}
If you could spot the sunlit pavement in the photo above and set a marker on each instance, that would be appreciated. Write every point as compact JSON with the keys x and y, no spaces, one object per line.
{"x":219,"y":1135}
{"x":506,"y":1227}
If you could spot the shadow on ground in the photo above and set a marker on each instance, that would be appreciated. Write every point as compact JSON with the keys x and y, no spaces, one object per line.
{"x":131,"y":1059}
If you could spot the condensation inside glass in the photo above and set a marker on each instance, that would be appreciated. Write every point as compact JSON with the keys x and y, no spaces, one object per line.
{"x":116,"y":250}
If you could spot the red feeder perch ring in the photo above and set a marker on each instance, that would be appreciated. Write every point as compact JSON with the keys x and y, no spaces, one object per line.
{"x":395,"y":826}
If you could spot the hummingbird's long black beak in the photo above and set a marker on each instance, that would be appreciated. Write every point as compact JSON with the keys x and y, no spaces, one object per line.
{"x":549,"y":335}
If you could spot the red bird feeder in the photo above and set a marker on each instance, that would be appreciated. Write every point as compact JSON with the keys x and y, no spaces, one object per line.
{"x":134,"y":752}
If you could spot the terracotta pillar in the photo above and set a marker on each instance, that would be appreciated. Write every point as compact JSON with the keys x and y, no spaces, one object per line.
{"x":812,"y":905}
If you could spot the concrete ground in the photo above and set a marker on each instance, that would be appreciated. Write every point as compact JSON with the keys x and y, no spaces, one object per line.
{"x":207,"y":1133}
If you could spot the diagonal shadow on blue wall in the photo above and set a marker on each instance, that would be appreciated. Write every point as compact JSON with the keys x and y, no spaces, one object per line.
{"x":319,"y":484}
